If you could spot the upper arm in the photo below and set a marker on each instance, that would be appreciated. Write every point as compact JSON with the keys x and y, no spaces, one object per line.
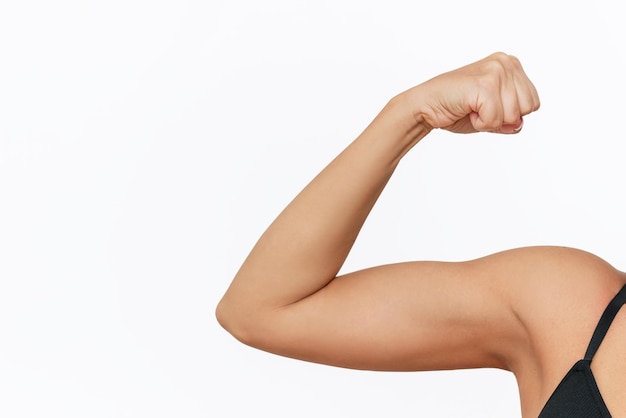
{"x":409,"y":316}
{"x":491,"y":312}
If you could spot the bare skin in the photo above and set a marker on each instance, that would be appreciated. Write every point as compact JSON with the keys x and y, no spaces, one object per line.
{"x":530,"y":310}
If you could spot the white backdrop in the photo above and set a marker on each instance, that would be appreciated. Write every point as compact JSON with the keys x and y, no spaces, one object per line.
{"x":145,"y":145}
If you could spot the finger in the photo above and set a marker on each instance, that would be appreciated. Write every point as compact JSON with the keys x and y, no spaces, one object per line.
{"x":510,"y":103}
{"x":488,"y":111}
{"x":528,"y":98}
{"x":461,"y":126}
{"x":529,"y":101}
{"x":512,"y":128}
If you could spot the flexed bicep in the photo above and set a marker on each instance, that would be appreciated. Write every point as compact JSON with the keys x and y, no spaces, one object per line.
{"x":409,"y":316}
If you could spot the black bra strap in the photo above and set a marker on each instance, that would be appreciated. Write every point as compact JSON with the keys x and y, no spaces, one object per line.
{"x":605,"y":322}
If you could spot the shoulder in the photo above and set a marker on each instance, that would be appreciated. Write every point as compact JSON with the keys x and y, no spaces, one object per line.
{"x":532,"y":277}
{"x":558,"y":295}
{"x":540,"y":260}
{"x":551,"y":288}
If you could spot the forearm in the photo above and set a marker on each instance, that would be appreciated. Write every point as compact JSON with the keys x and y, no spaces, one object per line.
{"x":306,"y":245}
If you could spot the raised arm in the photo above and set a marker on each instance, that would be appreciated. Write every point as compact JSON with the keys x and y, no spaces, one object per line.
{"x":286,"y":297}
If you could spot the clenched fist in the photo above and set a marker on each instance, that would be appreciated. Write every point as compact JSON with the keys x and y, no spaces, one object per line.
{"x":490,"y":95}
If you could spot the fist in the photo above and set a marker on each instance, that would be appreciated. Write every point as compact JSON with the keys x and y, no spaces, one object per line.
{"x":491,"y":95}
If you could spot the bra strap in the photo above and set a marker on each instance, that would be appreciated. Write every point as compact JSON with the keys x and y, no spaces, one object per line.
{"x":605,"y":322}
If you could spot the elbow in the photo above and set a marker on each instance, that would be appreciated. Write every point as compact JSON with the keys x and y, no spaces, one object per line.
{"x":236,"y":322}
{"x":221,"y":314}
{"x":225,"y":317}
{"x":262,"y":328}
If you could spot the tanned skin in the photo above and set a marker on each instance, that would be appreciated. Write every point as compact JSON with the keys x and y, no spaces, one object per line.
{"x":529,"y":310}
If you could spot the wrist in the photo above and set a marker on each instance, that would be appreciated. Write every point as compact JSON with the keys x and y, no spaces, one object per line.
{"x":409,"y":123}
{"x":414,"y":111}
{"x":394,"y":131}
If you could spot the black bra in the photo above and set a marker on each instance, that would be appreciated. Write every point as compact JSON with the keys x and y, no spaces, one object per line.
{"x":578,"y":396}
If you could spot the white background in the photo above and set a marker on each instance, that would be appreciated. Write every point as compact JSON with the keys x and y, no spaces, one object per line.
{"x":145,"y":145}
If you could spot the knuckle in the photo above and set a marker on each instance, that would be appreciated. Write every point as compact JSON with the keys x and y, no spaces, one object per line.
{"x":504,"y":63}
{"x":495,"y":65}
{"x":505,"y":58}
{"x":494,"y":71}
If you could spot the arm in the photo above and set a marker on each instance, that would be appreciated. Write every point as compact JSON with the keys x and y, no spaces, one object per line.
{"x":286,"y":297}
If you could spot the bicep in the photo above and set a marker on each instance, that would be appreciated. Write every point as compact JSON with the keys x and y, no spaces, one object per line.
{"x":409,"y":316}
